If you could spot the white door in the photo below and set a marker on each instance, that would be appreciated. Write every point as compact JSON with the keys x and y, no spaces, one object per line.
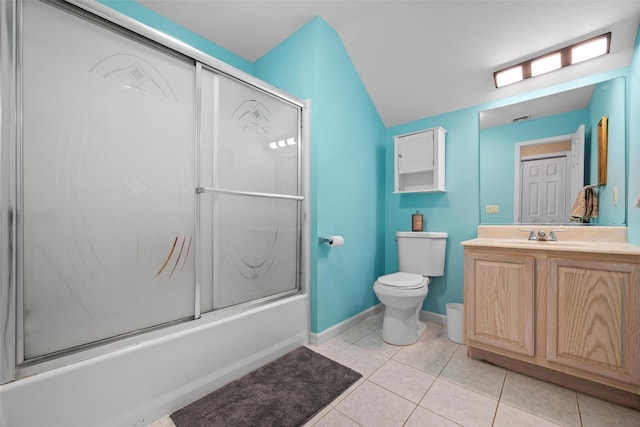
{"x":544,"y":190}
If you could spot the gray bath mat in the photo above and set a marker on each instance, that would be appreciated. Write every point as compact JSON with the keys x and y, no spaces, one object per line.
{"x":286,"y":392}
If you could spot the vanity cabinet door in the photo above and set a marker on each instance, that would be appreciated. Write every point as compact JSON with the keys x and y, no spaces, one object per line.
{"x":593,"y":320}
{"x":500,"y":300}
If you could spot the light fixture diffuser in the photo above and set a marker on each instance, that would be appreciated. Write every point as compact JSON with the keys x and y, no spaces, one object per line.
{"x":577,"y":52}
{"x":589,"y":49}
{"x":546,"y":64}
{"x":509,"y":76}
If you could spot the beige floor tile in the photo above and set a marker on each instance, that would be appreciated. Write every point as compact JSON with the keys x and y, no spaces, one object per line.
{"x":334,"y":419}
{"x":408,"y":382}
{"x":437,"y":335}
{"x":475,"y":375}
{"x":374,"y":342}
{"x":163,"y":422}
{"x":372,"y":406}
{"x":596,"y":413}
{"x":459,"y":404}
{"x":422,"y":355}
{"x":546,"y":400}
{"x":422,"y":417}
{"x":332,"y":347}
{"x":357,"y":358}
{"x":167,"y":422}
{"x":434,"y":329}
{"x":508,"y":416}
{"x":362,"y":329}
{"x":347,"y":392}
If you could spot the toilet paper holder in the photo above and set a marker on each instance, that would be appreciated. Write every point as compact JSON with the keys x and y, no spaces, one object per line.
{"x":332,"y":240}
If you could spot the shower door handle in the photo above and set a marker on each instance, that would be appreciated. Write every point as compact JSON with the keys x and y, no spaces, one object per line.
{"x":200,"y":190}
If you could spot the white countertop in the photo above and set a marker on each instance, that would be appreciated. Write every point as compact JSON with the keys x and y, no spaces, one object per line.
{"x":622,"y":248}
{"x":593,"y":239}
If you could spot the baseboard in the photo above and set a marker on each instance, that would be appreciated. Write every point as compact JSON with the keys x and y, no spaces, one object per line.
{"x":334,"y":331}
{"x":430,"y":316}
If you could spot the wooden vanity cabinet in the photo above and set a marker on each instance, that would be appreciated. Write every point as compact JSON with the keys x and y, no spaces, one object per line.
{"x":499,"y":300}
{"x":567,"y":317}
{"x":592,"y":318}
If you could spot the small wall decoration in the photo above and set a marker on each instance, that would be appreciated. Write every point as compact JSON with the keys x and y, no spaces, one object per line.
{"x":602,"y":151}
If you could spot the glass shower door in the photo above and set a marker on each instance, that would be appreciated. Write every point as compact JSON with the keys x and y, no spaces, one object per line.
{"x":250,"y":193}
{"x":107,"y":184}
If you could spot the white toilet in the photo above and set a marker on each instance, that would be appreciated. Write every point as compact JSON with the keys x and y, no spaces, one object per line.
{"x":420,"y":257}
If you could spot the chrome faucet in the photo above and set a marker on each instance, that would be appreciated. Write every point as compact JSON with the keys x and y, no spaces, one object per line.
{"x":541,"y":235}
{"x":552,"y":235}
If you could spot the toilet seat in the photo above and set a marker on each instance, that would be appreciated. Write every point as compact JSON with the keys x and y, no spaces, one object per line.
{"x":402,"y":280}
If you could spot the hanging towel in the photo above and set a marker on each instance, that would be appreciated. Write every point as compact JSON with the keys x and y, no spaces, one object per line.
{"x":586,"y":206}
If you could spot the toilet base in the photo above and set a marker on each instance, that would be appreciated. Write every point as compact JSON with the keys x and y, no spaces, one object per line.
{"x":401,"y":327}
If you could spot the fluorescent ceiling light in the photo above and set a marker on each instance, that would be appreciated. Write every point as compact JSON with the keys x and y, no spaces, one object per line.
{"x":577,"y":52}
{"x":589,"y":49}
{"x":509,"y":76}
{"x":546,"y":64}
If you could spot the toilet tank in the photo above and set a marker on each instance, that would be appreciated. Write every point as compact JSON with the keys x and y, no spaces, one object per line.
{"x":421,"y":252}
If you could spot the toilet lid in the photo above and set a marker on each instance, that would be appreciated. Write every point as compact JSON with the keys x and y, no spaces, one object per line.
{"x":402,"y":280}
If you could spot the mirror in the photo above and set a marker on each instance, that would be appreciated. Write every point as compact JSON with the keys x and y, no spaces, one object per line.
{"x":534,"y":169}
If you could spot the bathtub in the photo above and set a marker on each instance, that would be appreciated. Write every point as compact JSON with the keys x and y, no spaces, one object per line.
{"x":151,"y":377}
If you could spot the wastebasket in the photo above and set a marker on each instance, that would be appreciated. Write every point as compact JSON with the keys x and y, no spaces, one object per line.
{"x":455,"y":322}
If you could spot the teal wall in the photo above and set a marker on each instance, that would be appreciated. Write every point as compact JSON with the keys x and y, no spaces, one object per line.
{"x":633,"y":147}
{"x":347,"y":168}
{"x":352,"y":166}
{"x":457,"y":211}
{"x":497,"y":157}
{"x":454,"y":211}
{"x":609,"y":100}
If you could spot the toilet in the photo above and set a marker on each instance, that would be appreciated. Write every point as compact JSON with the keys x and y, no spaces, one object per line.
{"x":420,"y":257}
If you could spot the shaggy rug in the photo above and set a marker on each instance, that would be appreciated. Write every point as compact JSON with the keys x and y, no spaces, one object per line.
{"x":287,"y":392}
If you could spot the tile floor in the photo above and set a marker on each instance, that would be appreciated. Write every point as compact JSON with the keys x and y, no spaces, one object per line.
{"x":434,"y":383}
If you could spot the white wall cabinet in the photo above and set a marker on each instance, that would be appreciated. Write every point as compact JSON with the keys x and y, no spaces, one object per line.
{"x":419,"y":161}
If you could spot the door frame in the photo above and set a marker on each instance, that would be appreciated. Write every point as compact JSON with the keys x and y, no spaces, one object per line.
{"x":575,"y":173}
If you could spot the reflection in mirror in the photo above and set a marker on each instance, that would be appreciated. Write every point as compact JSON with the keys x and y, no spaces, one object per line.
{"x":539,"y":159}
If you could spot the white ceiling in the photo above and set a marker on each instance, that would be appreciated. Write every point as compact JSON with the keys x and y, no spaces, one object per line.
{"x":422,"y":58}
